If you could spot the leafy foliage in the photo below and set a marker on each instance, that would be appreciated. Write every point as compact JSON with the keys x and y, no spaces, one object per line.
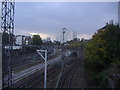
{"x":74,"y":43}
{"x":102,"y":50}
{"x":37,"y":40}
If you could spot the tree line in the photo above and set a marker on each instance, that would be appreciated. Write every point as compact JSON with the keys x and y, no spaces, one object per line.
{"x":102,"y":56}
{"x":36,"y":39}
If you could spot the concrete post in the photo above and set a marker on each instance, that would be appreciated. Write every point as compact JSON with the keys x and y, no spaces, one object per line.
{"x":45,"y":58}
{"x":45,"y":69}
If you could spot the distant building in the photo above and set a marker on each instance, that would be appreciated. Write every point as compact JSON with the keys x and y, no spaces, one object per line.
{"x":28,"y":40}
{"x":19,"y":39}
{"x":23,"y":40}
{"x":119,"y":13}
{"x":44,"y":40}
{"x":48,"y":39}
{"x":74,"y":35}
{"x":111,"y":22}
{"x":63,"y":35}
{"x":85,"y":40}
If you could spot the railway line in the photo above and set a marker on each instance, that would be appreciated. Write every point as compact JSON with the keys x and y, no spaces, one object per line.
{"x":50,"y":76}
{"x":35,"y":79}
{"x":53,"y":78}
{"x":67,"y":76}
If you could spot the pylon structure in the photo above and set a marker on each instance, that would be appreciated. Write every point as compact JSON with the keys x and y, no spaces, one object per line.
{"x":7,"y":29}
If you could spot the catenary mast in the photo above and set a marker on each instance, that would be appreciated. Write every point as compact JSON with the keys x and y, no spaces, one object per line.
{"x":7,"y":26}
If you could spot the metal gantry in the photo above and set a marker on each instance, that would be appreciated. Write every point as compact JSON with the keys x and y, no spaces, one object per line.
{"x":45,"y":70}
{"x":7,"y":27}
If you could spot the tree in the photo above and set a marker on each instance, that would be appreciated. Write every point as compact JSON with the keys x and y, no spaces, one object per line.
{"x":103,"y":50}
{"x":104,"y":46}
{"x":74,"y":43}
{"x":36,"y":40}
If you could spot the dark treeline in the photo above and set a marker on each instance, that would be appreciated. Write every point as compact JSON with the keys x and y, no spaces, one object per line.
{"x":102,"y":57}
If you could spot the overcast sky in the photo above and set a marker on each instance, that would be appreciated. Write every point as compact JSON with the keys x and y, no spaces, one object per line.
{"x":48,"y":18}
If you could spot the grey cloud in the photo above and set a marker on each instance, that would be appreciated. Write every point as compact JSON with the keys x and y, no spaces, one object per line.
{"x":52,"y":17}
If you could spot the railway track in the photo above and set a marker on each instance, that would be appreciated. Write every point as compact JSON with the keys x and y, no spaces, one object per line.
{"x":66,"y":78}
{"x":68,"y":74}
{"x":50,"y":76}
{"x":35,"y":79}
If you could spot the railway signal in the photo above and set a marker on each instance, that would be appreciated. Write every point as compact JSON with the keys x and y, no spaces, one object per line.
{"x":45,"y":58}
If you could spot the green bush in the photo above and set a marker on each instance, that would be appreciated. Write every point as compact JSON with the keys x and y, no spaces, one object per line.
{"x":103,"y":51}
{"x":102,"y":79}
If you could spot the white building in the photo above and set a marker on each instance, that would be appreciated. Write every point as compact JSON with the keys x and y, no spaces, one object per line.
{"x":23,"y":40}
{"x":63,"y":36}
{"x":48,"y":39}
{"x":74,"y":35}
{"x":19,"y":40}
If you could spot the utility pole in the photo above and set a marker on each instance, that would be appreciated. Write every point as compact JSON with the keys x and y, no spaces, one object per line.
{"x":45,"y":58}
{"x":7,"y":26}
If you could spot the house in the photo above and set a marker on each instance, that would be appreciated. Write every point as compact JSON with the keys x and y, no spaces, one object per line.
{"x":22,"y":40}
